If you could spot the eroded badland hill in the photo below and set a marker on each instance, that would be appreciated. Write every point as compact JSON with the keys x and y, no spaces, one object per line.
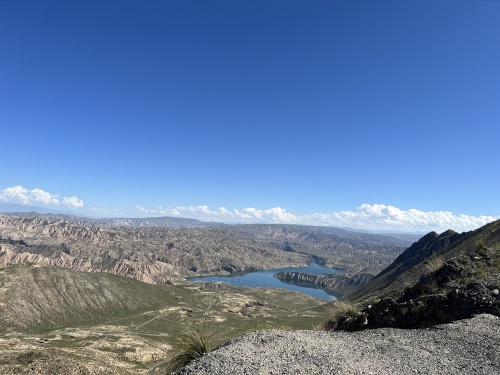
{"x":159,"y":254}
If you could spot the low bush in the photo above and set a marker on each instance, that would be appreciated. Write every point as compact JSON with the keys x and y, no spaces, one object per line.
{"x":346,"y":317}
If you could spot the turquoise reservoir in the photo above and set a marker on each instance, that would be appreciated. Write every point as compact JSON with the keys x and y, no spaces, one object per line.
{"x":266,"y":279}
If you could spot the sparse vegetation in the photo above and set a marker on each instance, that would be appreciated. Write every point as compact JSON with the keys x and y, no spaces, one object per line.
{"x":434,"y":263}
{"x":191,"y":345}
{"x":28,"y":357}
{"x":482,"y":249}
{"x":163,"y":314}
{"x":346,"y":316}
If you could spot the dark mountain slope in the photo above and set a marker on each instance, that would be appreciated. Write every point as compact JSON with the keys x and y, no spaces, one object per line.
{"x":458,"y":281}
{"x":422,"y":249}
{"x":428,"y":245}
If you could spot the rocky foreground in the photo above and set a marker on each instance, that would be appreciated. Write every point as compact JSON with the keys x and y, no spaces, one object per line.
{"x":463,"y":347}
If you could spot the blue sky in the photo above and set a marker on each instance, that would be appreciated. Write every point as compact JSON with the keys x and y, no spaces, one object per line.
{"x":345,"y":113}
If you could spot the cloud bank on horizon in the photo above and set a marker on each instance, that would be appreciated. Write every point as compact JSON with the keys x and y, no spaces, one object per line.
{"x":366,"y":216}
{"x":20,"y":195}
{"x":376,"y":217}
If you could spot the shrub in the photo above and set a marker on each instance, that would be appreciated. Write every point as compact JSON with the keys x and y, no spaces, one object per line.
{"x":346,"y":317}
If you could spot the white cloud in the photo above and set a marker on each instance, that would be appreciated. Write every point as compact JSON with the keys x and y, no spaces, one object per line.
{"x":41,"y":196}
{"x":142,"y":209}
{"x":16,"y":194}
{"x":21,"y":195}
{"x":276,"y":214}
{"x":367,"y":217}
{"x":73,"y":202}
{"x":383,"y":217}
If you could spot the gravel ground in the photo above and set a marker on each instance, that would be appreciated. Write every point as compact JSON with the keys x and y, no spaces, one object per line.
{"x":464,"y":347}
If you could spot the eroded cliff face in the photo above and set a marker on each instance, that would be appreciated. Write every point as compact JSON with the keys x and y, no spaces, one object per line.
{"x":333,"y":284}
{"x":154,"y":273}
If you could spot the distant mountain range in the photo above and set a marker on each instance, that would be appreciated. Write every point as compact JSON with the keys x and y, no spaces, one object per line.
{"x":156,"y":250}
{"x":19,"y":210}
{"x":147,"y":222}
{"x":13,"y":207}
{"x":25,"y":211}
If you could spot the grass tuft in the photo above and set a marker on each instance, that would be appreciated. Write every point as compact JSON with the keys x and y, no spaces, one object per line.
{"x":482,"y":249}
{"x":346,"y":317}
{"x":191,"y":345}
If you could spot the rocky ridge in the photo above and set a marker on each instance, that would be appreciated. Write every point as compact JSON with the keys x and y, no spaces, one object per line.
{"x":452,"y":279}
{"x":418,"y":252}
